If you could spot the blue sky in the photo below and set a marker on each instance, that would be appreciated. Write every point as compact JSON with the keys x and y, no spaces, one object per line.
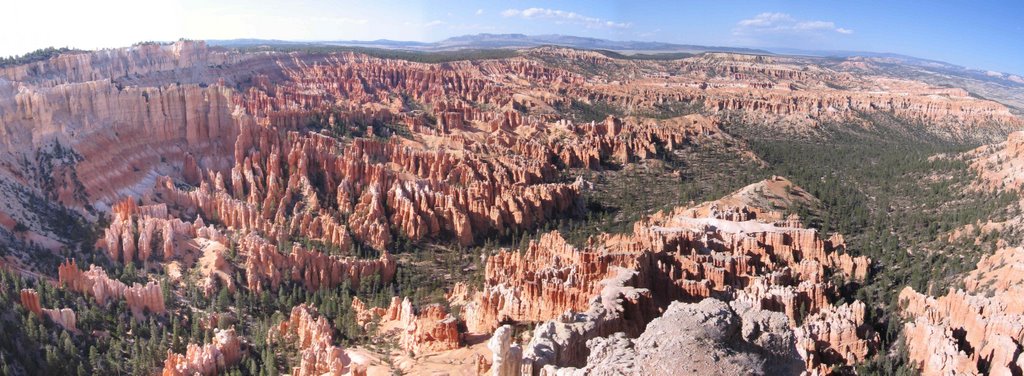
{"x":977,"y":34}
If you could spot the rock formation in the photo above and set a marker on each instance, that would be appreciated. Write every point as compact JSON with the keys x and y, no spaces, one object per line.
{"x":145,"y":298}
{"x":706,"y":338}
{"x":304,"y":163}
{"x":214,"y":267}
{"x":429,"y":329}
{"x":314,"y":339}
{"x":95,"y":282}
{"x":162,"y":111}
{"x":618,"y":283}
{"x":508,"y":356}
{"x":158,"y":232}
{"x":266,"y":267}
{"x":836,"y":335}
{"x":548,"y":279}
{"x":30,"y":300}
{"x":213,"y":358}
{"x":973,"y":331}
{"x":1001,"y":165}
{"x":785,"y":92}
{"x":64,"y":317}
{"x":564,"y":341}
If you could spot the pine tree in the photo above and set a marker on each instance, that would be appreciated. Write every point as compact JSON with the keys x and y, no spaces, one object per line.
{"x":94,"y":360}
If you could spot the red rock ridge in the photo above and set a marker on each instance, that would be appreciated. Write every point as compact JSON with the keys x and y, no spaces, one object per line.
{"x":266,"y":267}
{"x":969,"y":331}
{"x":835,"y":335}
{"x":678,"y":257}
{"x":540,"y":284}
{"x":223,"y":352}
{"x":157,"y":231}
{"x":315,"y":340}
{"x":115,"y":63}
{"x":95,"y":282}
{"x":64,"y":317}
{"x":427,"y":330}
{"x":1001,"y":165}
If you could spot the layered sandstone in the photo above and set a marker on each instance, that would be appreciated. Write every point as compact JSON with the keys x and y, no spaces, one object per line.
{"x":145,"y":298}
{"x":836,"y":335}
{"x":30,"y":300}
{"x":314,"y":339}
{"x":305,"y":163}
{"x":1000,"y":166}
{"x":473,"y":143}
{"x":214,"y":267}
{"x":793,"y":94}
{"x":619,"y":308}
{"x":266,"y":267}
{"x":213,"y":358}
{"x":95,"y":282}
{"x":616,"y":283}
{"x":141,"y":232}
{"x":426,"y":330}
{"x":972,"y":331}
{"x":137,"y":60}
{"x":126,"y":136}
{"x":64,"y":317}
{"x":548,"y":279}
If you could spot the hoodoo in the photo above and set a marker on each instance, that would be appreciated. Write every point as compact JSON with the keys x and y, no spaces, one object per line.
{"x":510,"y":204}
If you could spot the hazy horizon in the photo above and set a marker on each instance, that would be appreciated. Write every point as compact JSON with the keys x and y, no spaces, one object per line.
{"x":980,"y":35}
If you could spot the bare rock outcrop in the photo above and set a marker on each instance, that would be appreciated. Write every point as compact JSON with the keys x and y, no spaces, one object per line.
{"x":563,"y":341}
{"x":545,"y":281}
{"x":306,"y":162}
{"x":618,"y":283}
{"x":706,"y":338}
{"x":973,"y":331}
{"x":30,"y":300}
{"x":95,"y":282}
{"x":65,"y":317}
{"x":426,"y":330}
{"x":145,"y":298}
{"x":145,"y":232}
{"x":314,"y":338}
{"x":507,"y":356}
{"x":266,"y":267}
{"x":213,"y":358}
{"x":1001,"y":165}
{"x":836,"y":335}
{"x":346,"y":148}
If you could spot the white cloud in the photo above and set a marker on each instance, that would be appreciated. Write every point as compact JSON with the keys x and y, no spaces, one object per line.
{"x":815,"y":25}
{"x":433,"y":23}
{"x":479,"y":12}
{"x":766,"y":19}
{"x":782,"y":23}
{"x":561,"y":16}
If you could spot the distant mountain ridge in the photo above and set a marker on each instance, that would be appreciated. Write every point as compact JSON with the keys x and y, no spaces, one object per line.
{"x":500,"y":41}
{"x":1003,"y":87}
